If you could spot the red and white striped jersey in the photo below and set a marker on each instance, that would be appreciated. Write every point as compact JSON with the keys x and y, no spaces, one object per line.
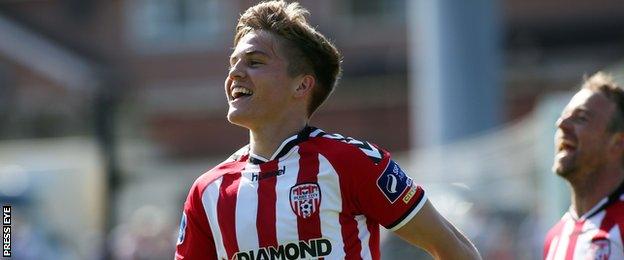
{"x":319,"y":196}
{"x":597,"y":234}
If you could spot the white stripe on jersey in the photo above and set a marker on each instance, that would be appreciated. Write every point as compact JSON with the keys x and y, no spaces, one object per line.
{"x":331,"y":206}
{"x":285,"y":230}
{"x":316,"y":132}
{"x":617,"y":252}
{"x":560,"y":243}
{"x":412,"y":214}
{"x":334,"y":136}
{"x":563,"y":241}
{"x":617,"y":232}
{"x":210,"y":196}
{"x":588,"y":231}
{"x":373,"y":152}
{"x":551,"y":250}
{"x":279,"y":149}
{"x":364,"y":236}
{"x":247,"y":208}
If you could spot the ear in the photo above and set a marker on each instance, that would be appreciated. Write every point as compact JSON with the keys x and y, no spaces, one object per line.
{"x":308,"y":82}
{"x":618,"y":141}
{"x":616,"y":147}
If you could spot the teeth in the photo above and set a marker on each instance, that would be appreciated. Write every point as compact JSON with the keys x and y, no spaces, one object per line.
{"x":568,"y":143}
{"x":239,"y":91}
{"x":565,"y":145}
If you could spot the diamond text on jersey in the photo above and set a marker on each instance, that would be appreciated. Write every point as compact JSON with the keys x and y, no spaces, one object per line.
{"x":313,"y":248}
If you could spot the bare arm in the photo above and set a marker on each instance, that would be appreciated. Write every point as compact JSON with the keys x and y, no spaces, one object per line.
{"x":432,"y":232}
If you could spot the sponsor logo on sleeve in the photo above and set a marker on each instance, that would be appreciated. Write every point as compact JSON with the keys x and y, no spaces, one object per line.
{"x":305,"y":199}
{"x":409,"y":195}
{"x":182,"y":230}
{"x":393,"y":182}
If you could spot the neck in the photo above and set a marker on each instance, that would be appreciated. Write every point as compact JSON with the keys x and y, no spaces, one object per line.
{"x":265,"y":140}
{"x":599,"y":184}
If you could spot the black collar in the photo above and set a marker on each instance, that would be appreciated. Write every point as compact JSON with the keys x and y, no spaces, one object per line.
{"x":285,"y":147}
{"x":612,"y":198}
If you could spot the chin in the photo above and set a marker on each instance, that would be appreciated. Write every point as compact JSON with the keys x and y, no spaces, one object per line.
{"x":564,"y":164}
{"x":238,"y":119}
{"x":235,"y":121}
{"x":563,"y":170}
{"x":560,"y":171}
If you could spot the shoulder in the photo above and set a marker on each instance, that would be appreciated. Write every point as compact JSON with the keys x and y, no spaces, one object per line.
{"x":337,"y":145}
{"x":555,"y":231}
{"x":558,"y":227}
{"x":616,"y":210}
{"x":233,"y":164}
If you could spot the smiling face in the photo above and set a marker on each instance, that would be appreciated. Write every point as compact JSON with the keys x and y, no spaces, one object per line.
{"x":582,"y":139}
{"x":258,"y":87}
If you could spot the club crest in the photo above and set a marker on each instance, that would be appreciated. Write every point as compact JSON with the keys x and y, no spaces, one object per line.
{"x":182,"y":230}
{"x":600,"y":249}
{"x":305,"y":199}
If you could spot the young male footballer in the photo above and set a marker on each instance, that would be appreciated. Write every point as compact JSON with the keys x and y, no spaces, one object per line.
{"x":295,"y":191}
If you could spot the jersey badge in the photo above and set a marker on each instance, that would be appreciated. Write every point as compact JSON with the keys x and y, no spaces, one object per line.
{"x":182,"y":230}
{"x":599,"y":249}
{"x":393,"y":182}
{"x":305,"y":199}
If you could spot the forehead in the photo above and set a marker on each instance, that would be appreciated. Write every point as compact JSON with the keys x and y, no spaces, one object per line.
{"x":590,"y":100}
{"x":256,"y":41}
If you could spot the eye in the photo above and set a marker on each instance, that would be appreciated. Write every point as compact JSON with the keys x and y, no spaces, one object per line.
{"x":581,"y":117}
{"x":254,"y":63}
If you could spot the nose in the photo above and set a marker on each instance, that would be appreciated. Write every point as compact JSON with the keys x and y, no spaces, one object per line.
{"x":236,"y":71}
{"x":564,"y":123}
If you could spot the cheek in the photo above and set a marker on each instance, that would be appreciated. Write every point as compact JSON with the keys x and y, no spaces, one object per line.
{"x":227,"y":84}
{"x":592,"y":144}
{"x":558,"y":134}
{"x":271,"y":85}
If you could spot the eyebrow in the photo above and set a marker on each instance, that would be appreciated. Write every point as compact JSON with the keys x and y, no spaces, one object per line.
{"x":250,"y":53}
{"x":575,"y":111}
{"x":582,"y":110}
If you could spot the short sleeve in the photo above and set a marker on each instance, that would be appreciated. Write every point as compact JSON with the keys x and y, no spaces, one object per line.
{"x":195,"y":239}
{"x":384,"y":192}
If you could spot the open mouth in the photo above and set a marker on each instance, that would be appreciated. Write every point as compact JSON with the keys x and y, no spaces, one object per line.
{"x":566,"y":145}
{"x":239,"y":92}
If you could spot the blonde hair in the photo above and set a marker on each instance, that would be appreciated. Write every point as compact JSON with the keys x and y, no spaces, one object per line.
{"x":604,"y":83}
{"x":306,"y":50}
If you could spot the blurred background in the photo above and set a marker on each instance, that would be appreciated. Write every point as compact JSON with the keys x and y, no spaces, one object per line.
{"x":110,"y":109}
